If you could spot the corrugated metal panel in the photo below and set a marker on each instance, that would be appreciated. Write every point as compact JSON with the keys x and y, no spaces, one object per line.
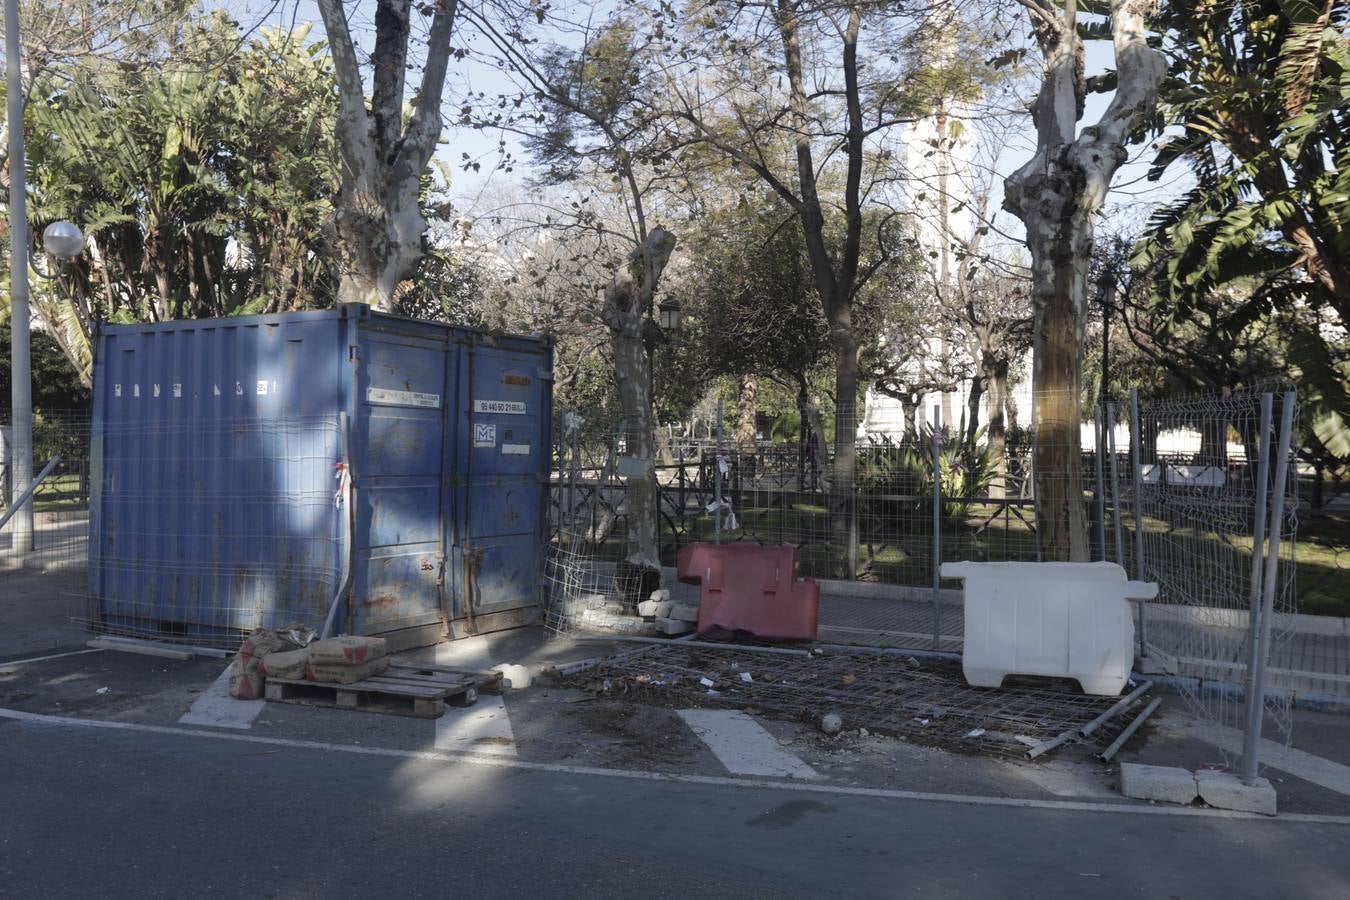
{"x":215,"y":443}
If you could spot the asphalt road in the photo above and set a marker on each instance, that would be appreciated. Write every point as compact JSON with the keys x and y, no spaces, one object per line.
{"x":96,"y":812}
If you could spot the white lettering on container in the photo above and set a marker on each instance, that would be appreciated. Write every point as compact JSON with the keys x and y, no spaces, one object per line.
{"x":503,"y":407}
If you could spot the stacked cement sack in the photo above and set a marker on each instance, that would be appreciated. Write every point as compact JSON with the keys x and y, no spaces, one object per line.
{"x":345,"y":660}
{"x":293,"y":654}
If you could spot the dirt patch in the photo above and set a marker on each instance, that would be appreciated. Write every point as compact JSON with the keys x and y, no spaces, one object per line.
{"x":639,"y":733}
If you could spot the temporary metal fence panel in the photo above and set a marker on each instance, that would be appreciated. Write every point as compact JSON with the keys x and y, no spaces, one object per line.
{"x":1208,"y":499}
{"x":219,"y":453}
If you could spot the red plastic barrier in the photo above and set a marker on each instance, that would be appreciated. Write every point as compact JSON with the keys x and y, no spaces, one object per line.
{"x":751,"y":588}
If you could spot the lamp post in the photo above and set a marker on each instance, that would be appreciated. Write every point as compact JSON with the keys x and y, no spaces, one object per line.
{"x":21,"y":433}
{"x":669,"y":315}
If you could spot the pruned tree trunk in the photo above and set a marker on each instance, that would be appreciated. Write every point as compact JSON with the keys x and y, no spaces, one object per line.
{"x":973,"y":409}
{"x":908,"y":407}
{"x":1056,"y":195}
{"x":996,"y":377}
{"x":844,"y":472}
{"x":378,"y":221}
{"x":747,"y":411}
{"x":628,"y":299}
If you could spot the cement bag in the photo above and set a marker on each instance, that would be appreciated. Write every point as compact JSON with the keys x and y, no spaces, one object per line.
{"x":286,"y":664}
{"x":347,"y":674}
{"x":348,"y":650}
{"x":246,"y":674}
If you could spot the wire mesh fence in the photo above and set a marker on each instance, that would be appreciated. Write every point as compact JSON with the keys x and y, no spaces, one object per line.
{"x":209,"y":530}
{"x":1214,"y":523}
{"x":61,"y":501}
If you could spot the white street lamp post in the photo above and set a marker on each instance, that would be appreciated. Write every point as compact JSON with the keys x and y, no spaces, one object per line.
{"x":22,"y":396}
{"x":63,"y":240}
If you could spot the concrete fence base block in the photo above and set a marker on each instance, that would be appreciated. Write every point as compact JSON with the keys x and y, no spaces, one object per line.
{"x":1224,"y":790}
{"x":1165,"y":783}
{"x":684,"y":612}
{"x":674,"y":626}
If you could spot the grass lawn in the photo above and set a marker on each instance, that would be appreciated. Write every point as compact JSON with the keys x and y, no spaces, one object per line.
{"x":59,"y":493}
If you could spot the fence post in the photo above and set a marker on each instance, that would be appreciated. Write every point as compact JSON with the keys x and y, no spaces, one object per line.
{"x":1137,"y":480}
{"x":1255,"y":700}
{"x":1115,"y":490}
{"x":937,"y":525}
{"x":717,"y":479}
{"x":6,"y":454}
{"x":1257,"y":688}
{"x":1099,"y":451}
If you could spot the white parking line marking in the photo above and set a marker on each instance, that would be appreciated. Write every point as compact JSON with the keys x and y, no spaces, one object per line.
{"x":1143,"y":809}
{"x":484,"y":727}
{"x":217,"y":708}
{"x":742,"y":745}
{"x":13,"y":663}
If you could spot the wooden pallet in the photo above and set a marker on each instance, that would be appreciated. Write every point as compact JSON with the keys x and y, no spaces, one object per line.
{"x":419,"y":691}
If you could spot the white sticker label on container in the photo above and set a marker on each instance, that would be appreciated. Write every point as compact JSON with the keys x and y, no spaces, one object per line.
{"x":515,"y":449}
{"x":403,"y":398}
{"x":215,"y":390}
{"x":485,"y":435}
{"x":178,"y":390}
{"x":156,"y":390}
{"x":117,"y":390}
{"x":136,"y":389}
{"x":262,"y":389}
{"x":504,"y":407}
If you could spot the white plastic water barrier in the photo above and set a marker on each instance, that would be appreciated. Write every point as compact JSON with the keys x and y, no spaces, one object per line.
{"x":1069,"y":620}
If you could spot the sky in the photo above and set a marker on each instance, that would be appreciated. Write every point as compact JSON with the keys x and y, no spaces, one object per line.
{"x":1127,"y":207}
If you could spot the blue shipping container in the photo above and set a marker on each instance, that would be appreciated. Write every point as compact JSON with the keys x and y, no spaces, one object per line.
{"x":219,"y":447}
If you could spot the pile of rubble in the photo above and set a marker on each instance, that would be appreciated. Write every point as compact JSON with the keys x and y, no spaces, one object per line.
{"x":656,"y":616}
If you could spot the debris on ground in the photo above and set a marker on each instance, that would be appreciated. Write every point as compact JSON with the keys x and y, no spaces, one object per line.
{"x":926,"y":701}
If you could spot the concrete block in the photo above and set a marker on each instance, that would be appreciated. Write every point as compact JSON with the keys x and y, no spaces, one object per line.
{"x":1224,"y":790}
{"x":600,"y":620}
{"x":659,"y":608}
{"x":687,"y":612}
{"x":674,"y":626}
{"x":1165,"y":783}
{"x":661,"y":595}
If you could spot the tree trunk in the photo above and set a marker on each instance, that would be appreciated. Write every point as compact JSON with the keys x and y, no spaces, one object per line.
{"x":820,"y":455}
{"x":626,"y":306}
{"x":908,"y":407}
{"x":996,"y":376}
{"x":1057,"y":458}
{"x":973,"y":407}
{"x":845,"y":468}
{"x":378,"y":220}
{"x":746,"y":413}
{"x":1057,"y":194}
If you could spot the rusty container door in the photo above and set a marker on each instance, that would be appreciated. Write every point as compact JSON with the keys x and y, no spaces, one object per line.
{"x":503,"y":429}
{"x":399,"y":455}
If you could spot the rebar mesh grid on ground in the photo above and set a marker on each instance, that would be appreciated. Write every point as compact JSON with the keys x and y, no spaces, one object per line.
{"x":924,"y":701}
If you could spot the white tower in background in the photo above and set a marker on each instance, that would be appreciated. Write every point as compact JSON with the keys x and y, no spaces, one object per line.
{"x":937,"y":157}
